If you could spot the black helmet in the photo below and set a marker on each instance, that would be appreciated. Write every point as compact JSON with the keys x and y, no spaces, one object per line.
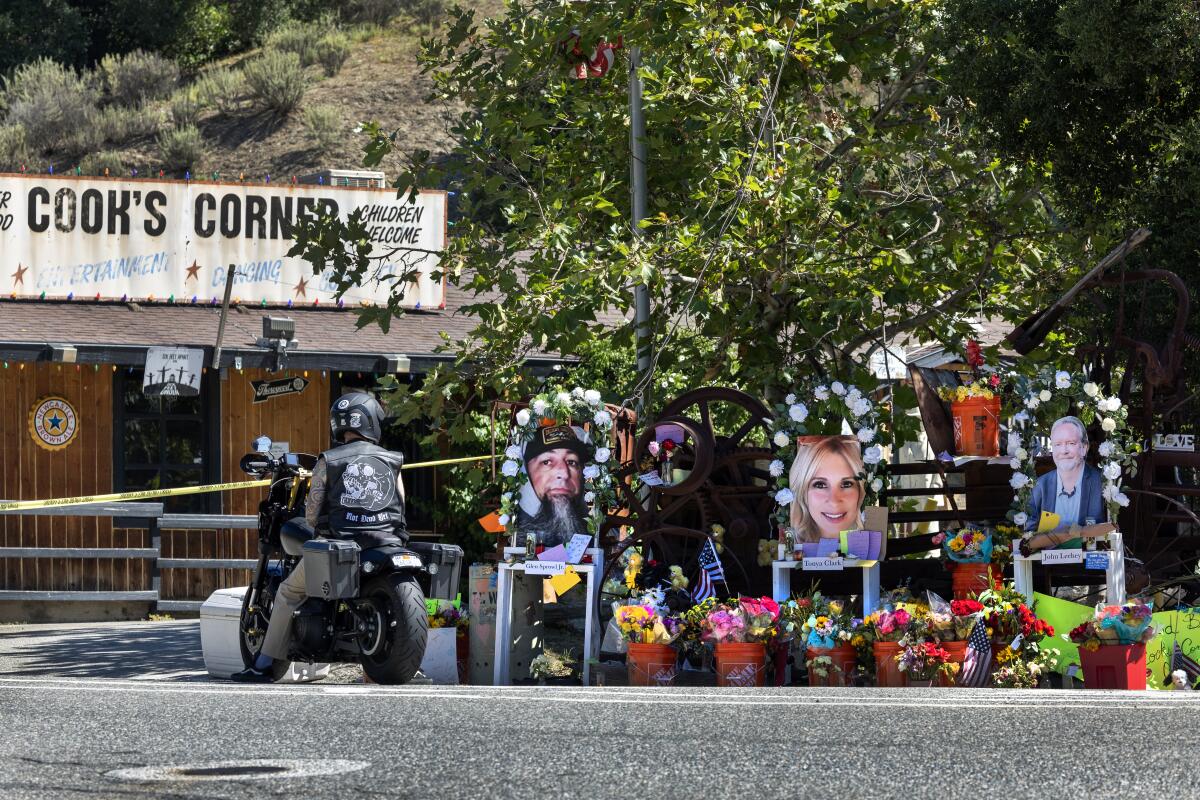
{"x":358,"y":412}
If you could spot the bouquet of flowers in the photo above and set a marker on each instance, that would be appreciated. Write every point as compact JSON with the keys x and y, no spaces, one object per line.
{"x":1017,"y":673}
{"x":890,"y":626}
{"x":724,"y":623}
{"x":1003,"y":536}
{"x":761,"y":615}
{"x":447,"y":616}
{"x":980,"y":386}
{"x":793,"y":615}
{"x":1008,"y":617}
{"x":966,"y":546}
{"x":643,"y":624}
{"x":924,"y":660}
{"x":1124,"y":624}
{"x":747,"y":619}
{"x":965,"y":615}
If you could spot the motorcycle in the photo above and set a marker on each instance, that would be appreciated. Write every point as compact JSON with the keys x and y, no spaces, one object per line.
{"x":383,"y":626}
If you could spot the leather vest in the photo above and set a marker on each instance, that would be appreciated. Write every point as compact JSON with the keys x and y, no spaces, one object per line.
{"x":364,"y":495}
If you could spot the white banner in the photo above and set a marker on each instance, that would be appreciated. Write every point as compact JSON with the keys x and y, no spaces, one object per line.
{"x":154,"y":240}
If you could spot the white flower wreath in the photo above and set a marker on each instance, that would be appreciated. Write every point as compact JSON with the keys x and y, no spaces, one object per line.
{"x":577,"y":405}
{"x":1085,"y":400}
{"x":832,"y":403}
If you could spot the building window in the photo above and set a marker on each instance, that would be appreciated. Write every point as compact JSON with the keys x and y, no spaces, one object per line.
{"x":166,"y":442}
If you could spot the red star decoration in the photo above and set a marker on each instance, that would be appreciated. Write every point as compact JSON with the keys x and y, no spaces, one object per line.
{"x":19,"y":275}
{"x":301,"y":289}
{"x":193,"y":272}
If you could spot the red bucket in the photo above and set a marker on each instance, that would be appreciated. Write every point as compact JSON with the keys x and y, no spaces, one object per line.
{"x":651,"y":664}
{"x":1114,"y":666}
{"x":844,"y":660}
{"x":976,"y":426}
{"x":973,"y":579}
{"x":741,"y":663}
{"x":887,"y":669}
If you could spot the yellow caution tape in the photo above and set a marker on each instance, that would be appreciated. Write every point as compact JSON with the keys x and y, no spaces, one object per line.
{"x":150,"y":494}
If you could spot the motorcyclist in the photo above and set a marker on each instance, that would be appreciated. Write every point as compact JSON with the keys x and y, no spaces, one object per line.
{"x":355,"y":493}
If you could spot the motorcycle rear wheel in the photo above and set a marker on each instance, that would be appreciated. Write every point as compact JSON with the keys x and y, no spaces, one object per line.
{"x":401,"y":604}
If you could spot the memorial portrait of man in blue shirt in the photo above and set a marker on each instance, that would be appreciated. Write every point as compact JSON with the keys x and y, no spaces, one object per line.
{"x":1073,"y":489}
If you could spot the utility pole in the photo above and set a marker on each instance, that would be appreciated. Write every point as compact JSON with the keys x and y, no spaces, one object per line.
{"x":637,"y":179}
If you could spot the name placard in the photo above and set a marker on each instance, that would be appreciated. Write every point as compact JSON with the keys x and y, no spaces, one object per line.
{"x":1062,"y":556}
{"x":823,"y":564}
{"x":545,"y":567}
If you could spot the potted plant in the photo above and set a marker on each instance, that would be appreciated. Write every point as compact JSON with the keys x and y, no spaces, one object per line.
{"x":649,"y":634}
{"x":826,"y":634}
{"x":885,"y":629}
{"x":924,"y":661}
{"x":967,"y":553}
{"x":739,"y":631}
{"x":975,"y":409}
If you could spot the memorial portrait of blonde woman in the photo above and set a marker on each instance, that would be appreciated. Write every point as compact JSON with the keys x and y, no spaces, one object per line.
{"x":828,"y":492}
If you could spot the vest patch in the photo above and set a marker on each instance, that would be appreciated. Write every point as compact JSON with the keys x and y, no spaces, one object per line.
{"x":367,"y":483}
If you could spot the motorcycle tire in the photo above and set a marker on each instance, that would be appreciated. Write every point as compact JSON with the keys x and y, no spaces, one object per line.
{"x":402,"y":604}
{"x":250,"y":645}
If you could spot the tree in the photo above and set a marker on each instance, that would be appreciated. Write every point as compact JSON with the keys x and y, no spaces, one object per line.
{"x":813,"y":190}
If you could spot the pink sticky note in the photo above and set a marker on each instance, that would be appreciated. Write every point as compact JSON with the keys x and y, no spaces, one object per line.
{"x":556,"y":553}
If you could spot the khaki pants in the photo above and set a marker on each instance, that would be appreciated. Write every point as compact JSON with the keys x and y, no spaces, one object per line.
{"x":292,"y":593}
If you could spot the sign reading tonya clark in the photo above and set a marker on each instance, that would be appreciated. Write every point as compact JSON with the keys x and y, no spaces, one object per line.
{"x":140,"y":240}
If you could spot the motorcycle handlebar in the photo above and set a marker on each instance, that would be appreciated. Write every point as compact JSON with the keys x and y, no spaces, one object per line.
{"x":259,"y":465}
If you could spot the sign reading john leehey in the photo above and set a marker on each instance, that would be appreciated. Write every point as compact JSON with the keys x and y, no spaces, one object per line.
{"x":136,"y":239}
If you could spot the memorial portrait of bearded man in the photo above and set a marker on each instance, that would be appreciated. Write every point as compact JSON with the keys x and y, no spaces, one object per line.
{"x":552,"y":507}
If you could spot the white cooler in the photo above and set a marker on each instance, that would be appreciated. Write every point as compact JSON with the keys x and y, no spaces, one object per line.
{"x":219,"y":639}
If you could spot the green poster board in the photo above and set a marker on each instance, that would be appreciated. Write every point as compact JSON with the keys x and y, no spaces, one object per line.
{"x":1182,"y":626}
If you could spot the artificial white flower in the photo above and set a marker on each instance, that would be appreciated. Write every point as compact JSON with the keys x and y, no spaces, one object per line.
{"x":510,"y":468}
{"x":591,"y":472}
{"x":577,"y":392}
{"x":853,"y":393}
{"x":821,"y":392}
{"x":1091,"y":389}
{"x":776,"y":468}
{"x":602,"y":418}
{"x":602,"y":455}
{"x":592,"y":397}
{"x":523,"y":417}
{"x":589,"y":497}
{"x":1106,"y":449}
{"x":1015,"y":463}
{"x":512,"y":451}
{"x":1122,"y":499}
{"x":1112,"y":404}
{"x":784,"y":497}
{"x":1032,"y":401}
{"x":1108,"y":424}
{"x":798,"y":412}
{"x":538,"y":406}
{"x":791,"y":398}
{"x":1020,"y":519}
{"x":873,"y":454}
{"x":1062,"y":379}
{"x":1014,"y":441}
{"x":876,"y":485}
{"x":866,"y":435}
{"x":563,"y":398}
{"x":862,"y":407}
{"x":837,"y":388}
{"x":1044,"y":395}
{"x":1108,"y":491}
{"x":781,"y":438}
{"x":1021,"y":453}
{"x":1019,"y":480}
{"x":504,"y":518}
{"x":1112,"y":470}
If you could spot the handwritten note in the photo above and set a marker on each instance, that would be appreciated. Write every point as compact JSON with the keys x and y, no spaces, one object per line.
{"x":565,"y":582}
{"x":577,"y":547}
{"x":651,"y":478}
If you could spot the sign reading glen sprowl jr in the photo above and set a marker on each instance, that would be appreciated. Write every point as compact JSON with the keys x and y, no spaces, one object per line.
{"x":160,"y":239}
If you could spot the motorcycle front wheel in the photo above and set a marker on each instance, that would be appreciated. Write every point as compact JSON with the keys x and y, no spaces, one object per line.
{"x":252,"y":628}
{"x":392,"y":653}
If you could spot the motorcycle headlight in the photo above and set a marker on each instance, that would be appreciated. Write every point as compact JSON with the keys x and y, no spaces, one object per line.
{"x":405,"y":560}
{"x":368,"y":566}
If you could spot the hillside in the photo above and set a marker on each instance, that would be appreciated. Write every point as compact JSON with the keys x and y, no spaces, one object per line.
{"x":379,"y":80}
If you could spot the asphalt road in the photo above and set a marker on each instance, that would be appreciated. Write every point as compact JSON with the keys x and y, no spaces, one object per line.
{"x":89,"y":711}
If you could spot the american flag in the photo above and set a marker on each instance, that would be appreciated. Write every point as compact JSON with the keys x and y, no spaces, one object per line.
{"x":978,"y":662}
{"x":710,"y":572}
{"x":1180,"y":660}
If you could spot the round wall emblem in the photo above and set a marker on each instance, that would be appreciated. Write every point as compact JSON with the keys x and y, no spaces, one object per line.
{"x":52,"y":423}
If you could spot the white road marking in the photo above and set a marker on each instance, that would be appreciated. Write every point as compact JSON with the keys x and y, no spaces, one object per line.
{"x":255,"y":770}
{"x":1034,"y":700}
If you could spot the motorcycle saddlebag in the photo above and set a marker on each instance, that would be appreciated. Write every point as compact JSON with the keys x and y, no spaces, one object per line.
{"x":331,"y":568}
{"x":443,"y":566}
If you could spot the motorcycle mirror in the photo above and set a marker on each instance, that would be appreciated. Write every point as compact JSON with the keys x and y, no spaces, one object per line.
{"x":262,"y":444}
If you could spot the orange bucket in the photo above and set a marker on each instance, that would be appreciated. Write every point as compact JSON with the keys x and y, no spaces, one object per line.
{"x":651,"y":664}
{"x":976,"y":426}
{"x":969,"y":579}
{"x":741,"y":663}
{"x":887,"y":670}
{"x":1114,"y":666}
{"x":958,"y":654}
{"x":844,"y":658}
